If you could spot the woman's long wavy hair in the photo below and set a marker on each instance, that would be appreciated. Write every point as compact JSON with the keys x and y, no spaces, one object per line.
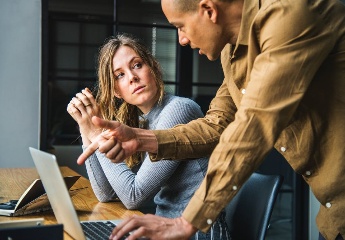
{"x":111,"y":107}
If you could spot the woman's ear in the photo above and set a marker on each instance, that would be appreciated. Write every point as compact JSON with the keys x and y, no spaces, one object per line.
{"x":117,"y":95}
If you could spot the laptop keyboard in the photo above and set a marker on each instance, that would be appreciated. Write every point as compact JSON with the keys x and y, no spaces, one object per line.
{"x":98,"y":230}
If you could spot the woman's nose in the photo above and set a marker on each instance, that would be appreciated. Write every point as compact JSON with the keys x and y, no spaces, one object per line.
{"x":133,"y":78}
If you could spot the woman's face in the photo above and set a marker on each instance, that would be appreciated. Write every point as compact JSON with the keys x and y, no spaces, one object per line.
{"x":135,"y":83}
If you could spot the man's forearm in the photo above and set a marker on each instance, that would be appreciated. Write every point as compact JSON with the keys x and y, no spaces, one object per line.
{"x":147,"y":140}
{"x":189,"y":229}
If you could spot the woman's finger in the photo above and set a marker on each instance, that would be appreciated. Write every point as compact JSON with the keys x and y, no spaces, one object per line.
{"x":89,"y":95}
{"x":79,"y":105}
{"x":84,"y":99}
{"x":73,"y":111}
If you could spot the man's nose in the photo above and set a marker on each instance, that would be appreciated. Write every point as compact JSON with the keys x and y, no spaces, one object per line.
{"x":182,"y":39}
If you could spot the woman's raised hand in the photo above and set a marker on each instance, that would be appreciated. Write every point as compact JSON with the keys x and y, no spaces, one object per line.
{"x":82,"y":108}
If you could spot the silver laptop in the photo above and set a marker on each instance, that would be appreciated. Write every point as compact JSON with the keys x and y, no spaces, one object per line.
{"x":61,"y":202}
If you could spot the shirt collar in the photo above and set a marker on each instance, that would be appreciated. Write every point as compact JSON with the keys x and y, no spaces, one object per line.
{"x":250,"y":9}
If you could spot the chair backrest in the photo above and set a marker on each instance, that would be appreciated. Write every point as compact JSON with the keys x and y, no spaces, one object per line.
{"x":249,"y":212}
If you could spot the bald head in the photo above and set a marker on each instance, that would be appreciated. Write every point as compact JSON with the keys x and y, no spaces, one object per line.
{"x":188,"y":5}
{"x":182,"y":5}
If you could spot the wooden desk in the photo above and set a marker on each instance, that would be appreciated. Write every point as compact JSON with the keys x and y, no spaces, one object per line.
{"x":14,"y":181}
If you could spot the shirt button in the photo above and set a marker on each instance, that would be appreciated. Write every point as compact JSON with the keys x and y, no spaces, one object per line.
{"x":234,"y":188}
{"x":243,"y":91}
{"x":308,"y":173}
{"x":328,"y":205}
{"x":209,"y":221}
{"x":283,"y":149}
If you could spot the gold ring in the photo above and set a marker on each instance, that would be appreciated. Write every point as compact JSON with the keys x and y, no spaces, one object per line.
{"x":88,"y":105}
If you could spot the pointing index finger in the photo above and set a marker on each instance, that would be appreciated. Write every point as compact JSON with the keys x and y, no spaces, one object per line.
{"x":87,"y":152}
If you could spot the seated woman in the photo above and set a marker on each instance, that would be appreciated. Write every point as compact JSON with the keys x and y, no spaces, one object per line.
{"x":131,"y":90}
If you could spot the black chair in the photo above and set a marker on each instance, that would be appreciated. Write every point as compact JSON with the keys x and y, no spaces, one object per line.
{"x":249,"y":212}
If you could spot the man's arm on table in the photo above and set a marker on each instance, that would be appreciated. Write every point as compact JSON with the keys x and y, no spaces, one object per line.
{"x":154,"y":227}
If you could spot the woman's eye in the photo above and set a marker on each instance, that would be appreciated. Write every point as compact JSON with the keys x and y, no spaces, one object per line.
{"x":137,"y":65}
{"x":119,"y":75}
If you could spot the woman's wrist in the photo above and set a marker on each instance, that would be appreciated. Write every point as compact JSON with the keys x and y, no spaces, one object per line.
{"x":85,"y":140}
{"x":89,"y":135}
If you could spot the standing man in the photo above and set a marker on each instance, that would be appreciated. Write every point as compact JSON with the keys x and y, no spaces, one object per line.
{"x":284,"y":87}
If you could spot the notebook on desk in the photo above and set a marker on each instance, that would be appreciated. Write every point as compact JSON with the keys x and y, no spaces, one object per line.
{"x":61,"y":202}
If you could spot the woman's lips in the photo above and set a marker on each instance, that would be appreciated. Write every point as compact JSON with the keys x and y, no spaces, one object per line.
{"x":138,"y":89}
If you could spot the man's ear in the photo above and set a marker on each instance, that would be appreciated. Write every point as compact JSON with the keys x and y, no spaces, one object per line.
{"x":208,"y":7}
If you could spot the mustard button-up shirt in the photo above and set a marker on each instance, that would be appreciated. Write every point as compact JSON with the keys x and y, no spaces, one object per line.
{"x":290,"y":59}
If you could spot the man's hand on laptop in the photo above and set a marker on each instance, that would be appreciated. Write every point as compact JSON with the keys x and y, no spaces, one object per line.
{"x":153,"y":227}
{"x":118,"y":141}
